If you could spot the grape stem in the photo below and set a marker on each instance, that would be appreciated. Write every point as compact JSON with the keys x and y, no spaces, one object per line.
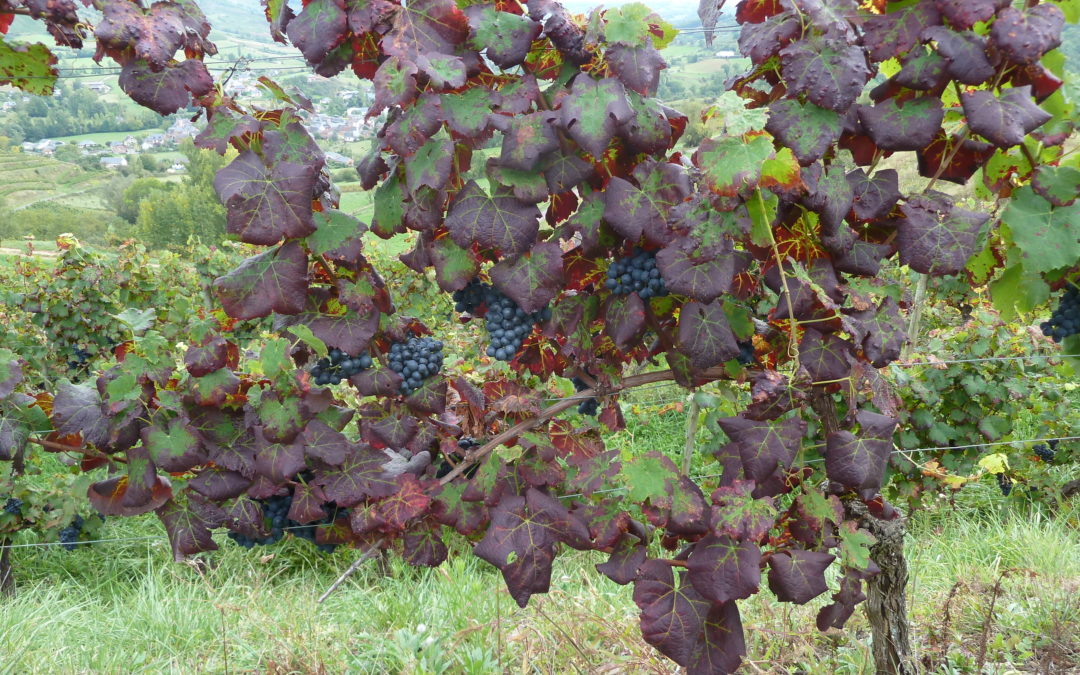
{"x":476,"y":455}
{"x":80,"y":449}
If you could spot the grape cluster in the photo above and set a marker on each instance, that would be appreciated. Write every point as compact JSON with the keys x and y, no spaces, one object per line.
{"x":636,"y":274}
{"x":416,"y":359}
{"x":588,"y":406}
{"x":746,"y":353}
{"x":507,"y":324}
{"x":1045,"y":452}
{"x":1005,"y":484}
{"x":69,"y":536}
{"x":466,"y":443}
{"x":81,"y":358}
{"x":338,"y":366}
{"x":1065,"y":320}
{"x":276,"y":514}
{"x":13,"y":506}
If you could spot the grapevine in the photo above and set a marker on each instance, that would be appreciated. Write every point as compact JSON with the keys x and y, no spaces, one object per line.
{"x":785,"y":226}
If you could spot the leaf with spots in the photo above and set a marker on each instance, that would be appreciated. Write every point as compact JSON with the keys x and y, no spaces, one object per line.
{"x":896,"y":32}
{"x":829,"y":71}
{"x":1024,"y":36}
{"x":319,"y":27}
{"x":964,"y":52}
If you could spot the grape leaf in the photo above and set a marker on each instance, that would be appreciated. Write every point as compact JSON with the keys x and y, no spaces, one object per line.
{"x":320,"y":27}
{"x":723,"y":569}
{"x":935,"y":236}
{"x":28,"y":67}
{"x":189,"y":533}
{"x":78,"y":409}
{"x":732,"y":164}
{"x":964,"y":52}
{"x":593,"y":111}
{"x":825,"y":356}
{"x":738,"y":514}
{"x":273,"y":281}
{"x":637,"y":67}
{"x":522,"y":525}
{"x":467,"y":112}
{"x":500,"y":221}
{"x":807,"y":129}
{"x":360,"y":476}
{"x":1003,"y":120}
{"x":874,"y":197}
{"x":701,"y":273}
{"x":964,"y":14}
{"x":1023,"y":37}
{"x":764,"y":447}
{"x":1060,"y":185}
{"x":172,"y":446}
{"x":910,"y":125}
{"x":762,"y":41}
{"x":858,"y":461}
{"x":705,"y":335}
{"x":267,"y":203}
{"x":686,"y":628}
{"x":506,"y":37}
{"x":532,"y":279}
{"x":395,"y":84}
{"x":799,"y":576}
{"x":1049,"y":237}
{"x":830,"y":72}
{"x":527,"y":138}
{"x":895,"y":32}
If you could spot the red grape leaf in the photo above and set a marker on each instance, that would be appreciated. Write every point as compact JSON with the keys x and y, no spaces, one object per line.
{"x":830,"y":72}
{"x":764,"y":447}
{"x":1003,"y":120}
{"x":593,"y":111}
{"x":858,"y":462}
{"x":910,"y":125}
{"x":705,"y":335}
{"x":272,"y":281}
{"x":505,"y":37}
{"x":167,"y":90}
{"x":500,"y":221}
{"x":533,"y":278}
{"x":824,"y":356}
{"x":964,"y":52}
{"x":799,"y":576}
{"x":320,"y":27}
{"x":937,"y":237}
{"x":723,"y":569}
{"x":1023,"y":37}
{"x":895,"y":32}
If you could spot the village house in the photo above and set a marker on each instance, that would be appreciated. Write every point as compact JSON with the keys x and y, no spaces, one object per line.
{"x":113,"y":163}
{"x":98,"y":87}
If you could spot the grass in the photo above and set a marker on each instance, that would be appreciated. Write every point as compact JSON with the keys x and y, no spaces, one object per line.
{"x":125,"y":607}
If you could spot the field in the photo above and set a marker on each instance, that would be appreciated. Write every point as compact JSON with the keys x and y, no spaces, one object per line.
{"x":390,"y":618}
{"x":30,"y":179}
